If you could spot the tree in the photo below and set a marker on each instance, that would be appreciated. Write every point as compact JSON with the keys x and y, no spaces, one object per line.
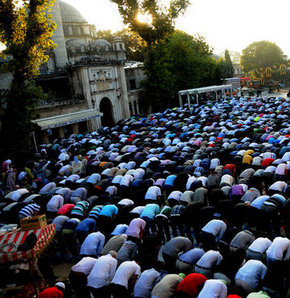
{"x":26,"y":32}
{"x":133,"y":43}
{"x":261,"y":55}
{"x":180,"y":62}
{"x":162,"y":24}
{"x":226,"y":66}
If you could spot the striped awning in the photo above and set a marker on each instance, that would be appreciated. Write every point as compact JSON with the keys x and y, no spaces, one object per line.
{"x":9,"y":243}
{"x":67,"y":119}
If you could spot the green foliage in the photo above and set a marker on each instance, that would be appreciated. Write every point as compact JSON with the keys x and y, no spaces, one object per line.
{"x":180,"y":62}
{"x":26,"y":32}
{"x":226,"y":66}
{"x":26,"y":28}
{"x":19,"y":106}
{"x":260,"y":55}
{"x":133,"y":43}
{"x":163,"y":17}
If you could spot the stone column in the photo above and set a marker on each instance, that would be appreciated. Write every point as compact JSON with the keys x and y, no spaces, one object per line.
{"x":75,"y":128}
{"x":45,"y":138}
{"x":61,"y":132}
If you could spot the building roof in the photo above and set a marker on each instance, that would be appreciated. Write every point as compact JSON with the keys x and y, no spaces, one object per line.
{"x":69,"y":14}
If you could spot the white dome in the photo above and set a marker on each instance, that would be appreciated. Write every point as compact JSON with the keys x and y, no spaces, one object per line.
{"x":69,"y":14}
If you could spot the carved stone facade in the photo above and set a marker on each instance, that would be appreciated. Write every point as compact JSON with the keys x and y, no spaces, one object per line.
{"x":93,"y":71}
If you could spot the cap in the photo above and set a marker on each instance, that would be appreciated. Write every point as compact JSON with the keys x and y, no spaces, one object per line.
{"x":182,"y":275}
{"x":60,"y":285}
{"x":224,"y":281}
{"x":113,"y":253}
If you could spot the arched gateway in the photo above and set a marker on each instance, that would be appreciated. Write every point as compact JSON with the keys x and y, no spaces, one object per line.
{"x":107,"y":109}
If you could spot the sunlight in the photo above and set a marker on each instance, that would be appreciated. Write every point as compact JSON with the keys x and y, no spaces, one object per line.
{"x":144,"y":18}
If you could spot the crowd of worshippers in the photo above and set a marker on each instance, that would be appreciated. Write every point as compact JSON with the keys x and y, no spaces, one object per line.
{"x":190,"y":202}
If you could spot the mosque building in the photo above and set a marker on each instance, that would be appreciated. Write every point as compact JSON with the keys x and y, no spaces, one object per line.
{"x":88,"y":80}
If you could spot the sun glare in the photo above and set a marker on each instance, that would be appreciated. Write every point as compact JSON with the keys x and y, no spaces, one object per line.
{"x":144,"y":18}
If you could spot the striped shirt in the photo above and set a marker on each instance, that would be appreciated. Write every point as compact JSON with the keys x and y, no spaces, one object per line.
{"x":94,"y":213}
{"x":176,"y":210}
{"x":29,"y":210}
{"x":80,"y":208}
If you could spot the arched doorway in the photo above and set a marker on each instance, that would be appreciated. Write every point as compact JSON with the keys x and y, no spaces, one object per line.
{"x":107,"y":109}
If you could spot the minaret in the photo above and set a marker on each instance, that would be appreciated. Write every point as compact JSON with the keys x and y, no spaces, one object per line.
{"x":58,"y":36}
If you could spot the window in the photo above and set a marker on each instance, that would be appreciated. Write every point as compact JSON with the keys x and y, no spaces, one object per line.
{"x":115,"y":47}
{"x":79,"y":30}
{"x":73,"y":49}
{"x":132,"y":84}
{"x":121,"y":46}
{"x":70,"y":30}
{"x":107,"y":47}
{"x":98,"y":48}
{"x":83,"y":48}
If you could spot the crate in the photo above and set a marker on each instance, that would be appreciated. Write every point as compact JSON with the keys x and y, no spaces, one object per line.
{"x":33,"y":223}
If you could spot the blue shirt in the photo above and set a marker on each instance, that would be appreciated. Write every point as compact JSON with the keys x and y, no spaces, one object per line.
{"x":150,"y":211}
{"x":170,"y":180}
{"x":192,"y":256}
{"x":87,"y":225}
{"x":259,"y":201}
{"x":109,"y":211}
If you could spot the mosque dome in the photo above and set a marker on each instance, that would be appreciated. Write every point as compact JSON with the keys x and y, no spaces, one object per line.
{"x":117,"y":39}
{"x":100,"y":42}
{"x":69,"y":14}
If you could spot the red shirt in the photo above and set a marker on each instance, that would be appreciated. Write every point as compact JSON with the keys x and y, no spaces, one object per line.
{"x":192,"y":284}
{"x":231,"y":167}
{"x":65,"y":209}
{"x":52,"y":292}
{"x":267,"y":162}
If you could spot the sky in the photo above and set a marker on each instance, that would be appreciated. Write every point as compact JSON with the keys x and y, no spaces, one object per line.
{"x":225,"y":24}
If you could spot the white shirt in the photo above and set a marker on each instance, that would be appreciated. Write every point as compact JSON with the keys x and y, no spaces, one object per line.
{"x":47,"y":188}
{"x":94,"y":178}
{"x":252,"y":272}
{"x":55,"y":203}
{"x":270,"y":169}
{"x":278,"y":248}
{"x":138,"y":173}
{"x":152,"y":193}
{"x":214,"y":288}
{"x":117,"y":179}
{"x":135,"y":227}
{"x":281,"y":169}
{"x":227,"y":179}
{"x":18,"y":193}
{"x":189,"y":182}
{"x":126,"y":180}
{"x":209,"y":259}
{"x":286,"y":156}
{"x":268,"y":155}
{"x":138,"y":210}
{"x":176,"y":195}
{"x":102,"y":272}
{"x":215,"y":227}
{"x":85,"y":265}
{"x":278,"y":185}
{"x":125,"y":202}
{"x":147,"y":280}
{"x":93,"y":244}
{"x":73,"y":178}
{"x":260,"y":245}
{"x":112,"y":190}
{"x":203,"y":180}
{"x":125,"y":271}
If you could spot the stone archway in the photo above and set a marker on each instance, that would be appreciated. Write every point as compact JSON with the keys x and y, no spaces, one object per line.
{"x":107,"y":109}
